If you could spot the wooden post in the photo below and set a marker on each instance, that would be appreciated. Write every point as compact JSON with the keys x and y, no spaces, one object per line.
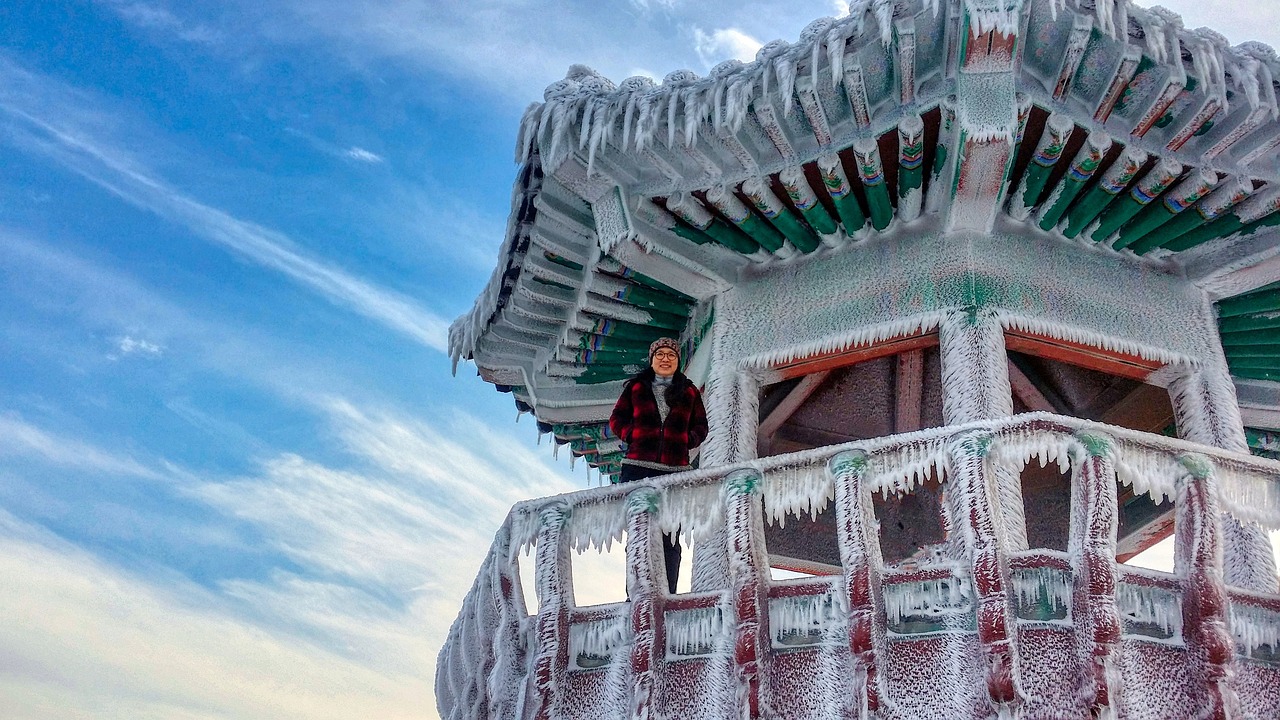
{"x":861,"y":559}
{"x":1206,"y":412}
{"x":1198,"y":560}
{"x":972,"y":500}
{"x":1093,"y":541}
{"x":555,"y":596}
{"x":646,"y":586}
{"x":747,"y":568}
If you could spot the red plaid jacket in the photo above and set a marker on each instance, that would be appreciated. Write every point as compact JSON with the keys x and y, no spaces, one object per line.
{"x":636,"y":421}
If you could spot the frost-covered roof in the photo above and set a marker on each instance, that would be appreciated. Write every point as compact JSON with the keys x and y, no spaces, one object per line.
{"x":1113,"y":124}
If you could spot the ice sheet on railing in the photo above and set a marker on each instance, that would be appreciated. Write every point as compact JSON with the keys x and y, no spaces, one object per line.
{"x":1151,"y":612}
{"x":901,"y":469}
{"x":803,"y":489}
{"x":695,"y":511}
{"x":695,"y":632}
{"x":594,"y":644}
{"x":1256,"y":630}
{"x":1250,"y":496}
{"x":1148,"y":472}
{"x":807,"y":619}
{"x":922,"y":606}
{"x":1018,"y":448}
{"x":1043,"y":593}
{"x":597,"y":525}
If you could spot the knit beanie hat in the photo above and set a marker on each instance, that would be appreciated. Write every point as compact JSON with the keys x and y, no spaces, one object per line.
{"x":669,"y":343}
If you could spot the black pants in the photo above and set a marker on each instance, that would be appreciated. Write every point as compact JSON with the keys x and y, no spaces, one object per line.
{"x":670,"y":543}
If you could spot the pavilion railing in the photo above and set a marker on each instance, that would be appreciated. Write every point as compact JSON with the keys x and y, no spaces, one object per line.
{"x":502,"y":662}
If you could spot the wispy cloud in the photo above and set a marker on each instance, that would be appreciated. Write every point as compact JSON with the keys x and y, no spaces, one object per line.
{"x":40,"y":127}
{"x":359,"y":153}
{"x":156,"y":17}
{"x":85,"y":639}
{"x":19,"y":438}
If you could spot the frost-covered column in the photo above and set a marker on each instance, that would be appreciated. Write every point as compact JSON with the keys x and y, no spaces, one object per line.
{"x":1206,"y":411}
{"x":975,"y":367}
{"x":508,"y":649}
{"x":644,"y":587}
{"x":861,"y":559}
{"x":747,"y":566}
{"x":555,"y":596}
{"x":732,"y":398}
{"x":972,"y":506}
{"x":1092,"y":546}
{"x":1198,"y":560}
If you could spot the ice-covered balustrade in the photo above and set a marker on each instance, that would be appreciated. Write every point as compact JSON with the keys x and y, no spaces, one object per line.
{"x":981,"y":627}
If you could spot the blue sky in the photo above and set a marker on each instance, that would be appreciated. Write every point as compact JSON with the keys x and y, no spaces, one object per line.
{"x":237,"y":478}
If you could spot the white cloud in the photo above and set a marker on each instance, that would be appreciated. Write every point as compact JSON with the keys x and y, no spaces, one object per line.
{"x":122,"y":174}
{"x":21,"y":439}
{"x":359,"y":153}
{"x":129,"y":345}
{"x":724,"y":44}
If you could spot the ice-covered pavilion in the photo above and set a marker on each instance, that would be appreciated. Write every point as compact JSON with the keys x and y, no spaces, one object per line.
{"x":983,"y":298}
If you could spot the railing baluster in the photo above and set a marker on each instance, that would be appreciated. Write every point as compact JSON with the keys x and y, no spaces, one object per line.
{"x":646,"y":589}
{"x":1198,"y":554}
{"x":860,"y":556}
{"x":555,"y":595}
{"x":509,"y":652}
{"x":747,"y":566}
{"x":975,"y":505}
{"x":1206,"y":410}
{"x":1093,"y":533}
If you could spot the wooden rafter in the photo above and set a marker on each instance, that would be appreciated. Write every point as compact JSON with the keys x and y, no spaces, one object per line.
{"x":1030,"y":394}
{"x":1146,"y":408}
{"x":785,"y":409}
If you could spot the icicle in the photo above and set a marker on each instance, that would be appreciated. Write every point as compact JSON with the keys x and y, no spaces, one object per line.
{"x":1255,"y":627}
{"x":691,"y":633}
{"x":594,"y":644}
{"x":803,"y":619}
{"x":1141,"y":605}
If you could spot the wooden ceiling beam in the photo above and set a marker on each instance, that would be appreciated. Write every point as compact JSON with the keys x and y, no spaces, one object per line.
{"x":855,"y":355}
{"x":1081,"y":355}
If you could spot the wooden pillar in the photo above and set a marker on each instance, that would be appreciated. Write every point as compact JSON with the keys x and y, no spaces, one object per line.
{"x":555,"y":596}
{"x":748,"y":587}
{"x":1198,"y":560}
{"x":975,"y":368}
{"x":860,"y":556}
{"x":973,"y":502}
{"x":732,"y":399}
{"x":1093,"y":541}
{"x":646,"y":586}
{"x":1206,"y":412}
